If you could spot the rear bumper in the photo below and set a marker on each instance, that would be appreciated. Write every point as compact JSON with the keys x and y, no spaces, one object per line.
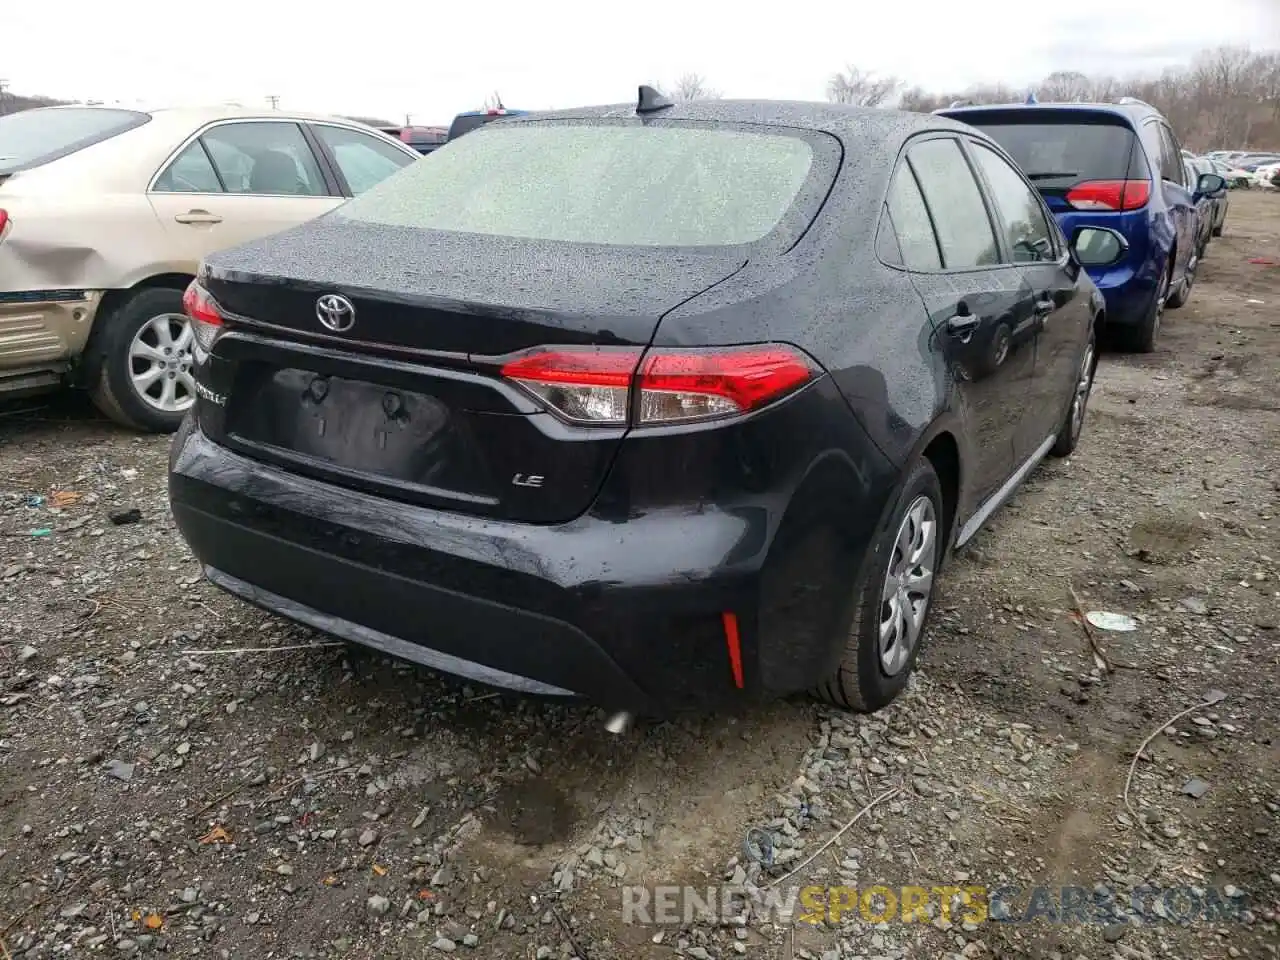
{"x":627,"y":614}
{"x":39,"y":327}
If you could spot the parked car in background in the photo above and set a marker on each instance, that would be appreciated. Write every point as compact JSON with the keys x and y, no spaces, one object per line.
{"x":475,"y":119}
{"x":1252,"y":162}
{"x":663,"y":414}
{"x":422,"y":139}
{"x":1118,"y":167}
{"x":106,"y":213}
{"x":1268,"y":174}
{"x":1218,"y":203}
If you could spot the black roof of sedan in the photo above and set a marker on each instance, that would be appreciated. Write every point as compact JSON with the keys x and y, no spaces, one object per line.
{"x":845,"y":122}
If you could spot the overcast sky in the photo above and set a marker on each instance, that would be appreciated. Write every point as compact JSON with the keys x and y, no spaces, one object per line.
{"x":434,"y":59}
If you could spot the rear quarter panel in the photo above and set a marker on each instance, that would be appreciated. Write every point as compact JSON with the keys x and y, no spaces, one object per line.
{"x":862,"y":321}
{"x":82,"y":241}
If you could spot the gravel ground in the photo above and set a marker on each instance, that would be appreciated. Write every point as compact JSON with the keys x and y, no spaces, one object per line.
{"x":331,"y":803}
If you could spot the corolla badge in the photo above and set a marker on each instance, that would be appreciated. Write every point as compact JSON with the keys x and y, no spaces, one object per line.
{"x":336,"y":312}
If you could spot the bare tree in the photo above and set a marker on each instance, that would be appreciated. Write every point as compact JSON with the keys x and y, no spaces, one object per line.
{"x":693,"y":86}
{"x":1065,"y":86}
{"x":919,"y":100}
{"x":861,"y":89}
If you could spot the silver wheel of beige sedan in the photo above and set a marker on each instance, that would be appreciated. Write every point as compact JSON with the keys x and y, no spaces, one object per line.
{"x":160,"y":363}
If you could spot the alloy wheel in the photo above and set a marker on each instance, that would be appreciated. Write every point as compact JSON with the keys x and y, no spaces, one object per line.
{"x":1084,"y":387}
{"x":160,"y":363}
{"x":908,"y":585}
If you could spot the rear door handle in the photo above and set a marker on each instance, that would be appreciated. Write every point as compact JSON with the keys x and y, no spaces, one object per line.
{"x":962,"y":326}
{"x":198,"y":216}
{"x":1044,"y":306}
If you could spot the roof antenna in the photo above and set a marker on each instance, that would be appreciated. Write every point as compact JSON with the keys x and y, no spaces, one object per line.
{"x":651,"y":100}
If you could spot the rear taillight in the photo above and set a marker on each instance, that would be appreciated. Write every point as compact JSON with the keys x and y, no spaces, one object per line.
{"x":1111,"y":195}
{"x":206,"y":320}
{"x":620,"y":385}
{"x":4,"y":220}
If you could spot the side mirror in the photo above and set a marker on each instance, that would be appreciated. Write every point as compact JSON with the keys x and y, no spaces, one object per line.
{"x":1098,"y":247}
{"x":1211,"y":185}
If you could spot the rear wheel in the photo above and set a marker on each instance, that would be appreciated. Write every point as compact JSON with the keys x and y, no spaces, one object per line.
{"x":893,"y":599}
{"x":1178,"y":296}
{"x":1069,"y":435}
{"x":1217,"y":231}
{"x":144,"y":379}
{"x":1143,"y":337}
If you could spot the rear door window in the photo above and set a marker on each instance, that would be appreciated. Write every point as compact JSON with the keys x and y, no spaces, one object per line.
{"x":1171,"y":168}
{"x":190,"y":172}
{"x":1058,"y":154}
{"x":959,"y":213}
{"x":266,"y":158}
{"x":917,"y":243}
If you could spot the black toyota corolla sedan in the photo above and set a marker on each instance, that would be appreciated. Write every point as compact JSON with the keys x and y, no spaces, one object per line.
{"x":653,"y":405}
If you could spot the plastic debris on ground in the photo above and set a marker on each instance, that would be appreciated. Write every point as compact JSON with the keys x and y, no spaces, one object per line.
{"x":1115,"y":622}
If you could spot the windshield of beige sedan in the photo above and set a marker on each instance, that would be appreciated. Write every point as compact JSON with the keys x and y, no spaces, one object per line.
{"x":616,"y":185}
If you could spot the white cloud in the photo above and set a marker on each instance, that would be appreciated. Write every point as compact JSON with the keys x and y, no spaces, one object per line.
{"x":433,"y":60}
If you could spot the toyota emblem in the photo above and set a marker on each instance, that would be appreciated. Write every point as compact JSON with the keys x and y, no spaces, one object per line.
{"x":336,"y":312}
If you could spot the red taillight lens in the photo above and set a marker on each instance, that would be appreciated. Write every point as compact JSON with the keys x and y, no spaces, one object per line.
{"x":1111,"y":195}
{"x":700,"y":384}
{"x":4,"y":220}
{"x":594,"y":385}
{"x":206,"y":320}
{"x":582,"y":384}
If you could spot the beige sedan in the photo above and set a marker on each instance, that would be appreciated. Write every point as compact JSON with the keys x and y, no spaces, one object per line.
{"x":105,"y":215}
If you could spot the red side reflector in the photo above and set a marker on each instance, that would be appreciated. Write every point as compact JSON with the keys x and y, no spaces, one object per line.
{"x":1113,"y":195}
{"x":734,"y":644}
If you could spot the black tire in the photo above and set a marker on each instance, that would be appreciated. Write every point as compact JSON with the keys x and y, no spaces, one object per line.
{"x":860,"y":682}
{"x":1217,"y":231}
{"x":111,"y":384}
{"x":1143,"y":337}
{"x":1072,"y":428}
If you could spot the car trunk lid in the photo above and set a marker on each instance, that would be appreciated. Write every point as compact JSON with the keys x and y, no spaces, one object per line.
{"x":406,"y":400}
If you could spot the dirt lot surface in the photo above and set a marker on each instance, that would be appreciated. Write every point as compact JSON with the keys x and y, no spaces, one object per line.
{"x":331,"y":803}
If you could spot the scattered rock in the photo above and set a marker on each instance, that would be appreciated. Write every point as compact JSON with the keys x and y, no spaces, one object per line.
{"x":1195,"y":787}
{"x":120,"y":770}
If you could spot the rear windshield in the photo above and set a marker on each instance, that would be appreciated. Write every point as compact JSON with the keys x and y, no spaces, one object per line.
{"x":1054,"y":154}
{"x":616,"y":185}
{"x":32,"y":137}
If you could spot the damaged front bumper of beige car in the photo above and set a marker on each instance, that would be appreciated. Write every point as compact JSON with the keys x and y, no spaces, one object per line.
{"x":42,"y":333}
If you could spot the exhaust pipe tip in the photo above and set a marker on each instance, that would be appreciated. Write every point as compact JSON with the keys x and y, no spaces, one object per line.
{"x":619,"y":723}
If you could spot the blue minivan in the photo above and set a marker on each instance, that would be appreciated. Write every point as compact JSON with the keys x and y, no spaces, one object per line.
{"x":1118,"y":167}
